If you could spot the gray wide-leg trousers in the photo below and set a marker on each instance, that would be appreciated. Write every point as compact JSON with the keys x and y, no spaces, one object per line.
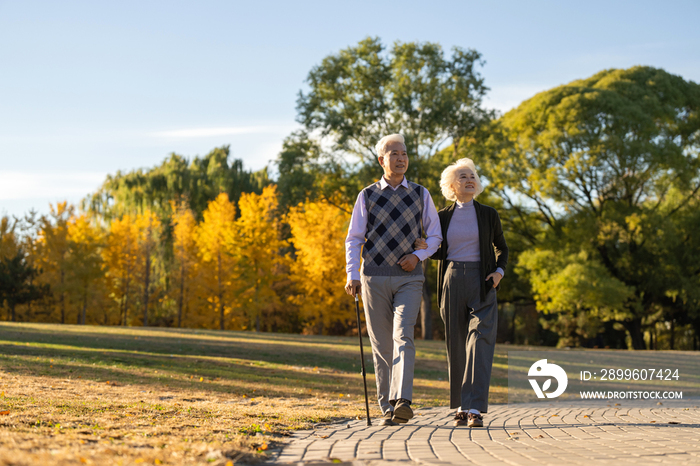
{"x":470,"y":334}
{"x":391,"y":309}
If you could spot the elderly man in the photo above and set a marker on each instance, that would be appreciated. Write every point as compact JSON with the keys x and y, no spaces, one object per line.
{"x":386,"y":220}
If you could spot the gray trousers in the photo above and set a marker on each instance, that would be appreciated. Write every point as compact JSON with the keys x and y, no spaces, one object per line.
{"x":391,"y":309}
{"x":470,"y":333}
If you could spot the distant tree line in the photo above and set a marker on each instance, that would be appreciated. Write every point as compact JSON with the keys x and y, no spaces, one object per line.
{"x":597,"y":183}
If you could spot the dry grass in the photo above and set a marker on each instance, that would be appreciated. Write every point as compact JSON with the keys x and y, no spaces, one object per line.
{"x":102,"y":395}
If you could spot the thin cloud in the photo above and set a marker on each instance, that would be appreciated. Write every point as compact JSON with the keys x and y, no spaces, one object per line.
{"x":222,"y":131}
{"x":16,"y":185}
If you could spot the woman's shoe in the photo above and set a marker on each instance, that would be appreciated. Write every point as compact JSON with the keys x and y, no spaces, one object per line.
{"x":461,"y":419}
{"x":475,"y":420}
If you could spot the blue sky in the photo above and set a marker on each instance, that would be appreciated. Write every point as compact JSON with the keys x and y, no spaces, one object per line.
{"x":89,"y":88}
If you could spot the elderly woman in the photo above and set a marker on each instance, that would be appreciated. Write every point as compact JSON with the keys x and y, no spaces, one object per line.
{"x":471,"y":262}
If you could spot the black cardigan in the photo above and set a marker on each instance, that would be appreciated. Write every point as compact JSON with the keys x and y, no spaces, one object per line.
{"x":491,"y":242}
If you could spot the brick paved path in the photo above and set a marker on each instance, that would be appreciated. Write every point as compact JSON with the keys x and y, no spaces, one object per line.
{"x":533,"y":433}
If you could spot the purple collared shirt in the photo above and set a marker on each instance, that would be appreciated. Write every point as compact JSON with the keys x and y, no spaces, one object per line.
{"x":358,"y":229}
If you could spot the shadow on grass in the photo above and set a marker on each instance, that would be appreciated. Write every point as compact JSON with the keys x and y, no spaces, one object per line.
{"x":235,"y":363}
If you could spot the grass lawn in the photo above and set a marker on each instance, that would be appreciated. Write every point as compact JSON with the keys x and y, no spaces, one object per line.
{"x":105,"y":395}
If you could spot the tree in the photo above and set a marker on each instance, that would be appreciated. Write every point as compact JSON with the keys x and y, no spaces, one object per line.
{"x":608,"y":164}
{"x":215,"y":240}
{"x":300,"y":170}
{"x":364,"y":93}
{"x":185,"y":253}
{"x":578,"y":290}
{"x":29,"y":240}
{"x":53,"y":253}
{"x":9,"y":242}
{"x":318,"y":232}
{"x":16,"y":287}
{"x":120,"y":258}
{"x":84,"y":262}
{"x":257,"y":238}
{"x":198,"y":181}
{"x":147,"y":227}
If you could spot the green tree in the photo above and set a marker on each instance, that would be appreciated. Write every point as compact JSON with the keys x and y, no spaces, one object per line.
{"x":198,"y":181}
{"x":300,"y":169}
{"x":366,"y":92}
{"x":16,"y":282}
{"x":608,"y":164}
{"x":363,"y":93}
{"x":578,"y":289}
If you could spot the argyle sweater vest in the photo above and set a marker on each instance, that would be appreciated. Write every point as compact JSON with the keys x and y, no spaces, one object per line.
{"x":393,"y":225}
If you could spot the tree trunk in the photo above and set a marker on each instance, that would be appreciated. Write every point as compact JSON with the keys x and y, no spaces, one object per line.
{"x":221,"y":297}
{"x":85,"y":296}
{"x":634,"y":328}
{"x":12,"y":311}
{"x":258,"y":310}
{"x":126,"y":303}
{"x":146,"y":286}
{"x":147,"y":278}
{"x":426,"y":317}
{"x":63,"y":299}
{"x":182,"y":296}
{"x":121,"y":311}
{"x":29,"y":303}
{"x":673,"y":334}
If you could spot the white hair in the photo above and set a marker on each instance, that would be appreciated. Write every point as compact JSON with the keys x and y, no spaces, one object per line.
{"x":449,"y":176}
{"x":383,"y":142}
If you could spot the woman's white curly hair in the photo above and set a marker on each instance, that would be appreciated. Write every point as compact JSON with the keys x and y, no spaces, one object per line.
{"x":449,"y":176}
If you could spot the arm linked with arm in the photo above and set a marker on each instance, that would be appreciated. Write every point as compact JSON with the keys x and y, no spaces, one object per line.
{"x":431,"y":225}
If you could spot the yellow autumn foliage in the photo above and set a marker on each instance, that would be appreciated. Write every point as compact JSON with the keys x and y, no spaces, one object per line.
{"x":318,"y":234}
{"x":220,"y":273}
{"x":257,"y":238}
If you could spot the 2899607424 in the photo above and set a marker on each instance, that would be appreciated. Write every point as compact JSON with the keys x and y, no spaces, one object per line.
{"x":631,"y":374}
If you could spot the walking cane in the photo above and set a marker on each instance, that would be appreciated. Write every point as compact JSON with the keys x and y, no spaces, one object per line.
{"x":362,"y":355}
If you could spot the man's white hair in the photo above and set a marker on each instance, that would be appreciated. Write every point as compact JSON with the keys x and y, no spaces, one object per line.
{"x":449,"y":176}
{"x":383,"y":142}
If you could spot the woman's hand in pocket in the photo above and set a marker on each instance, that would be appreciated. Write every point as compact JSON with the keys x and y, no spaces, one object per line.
{"x":496,"y":278}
